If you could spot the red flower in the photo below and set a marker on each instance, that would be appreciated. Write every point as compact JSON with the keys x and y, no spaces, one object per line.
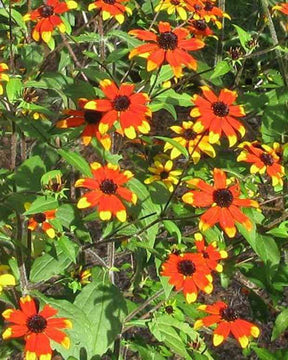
{"x":37,"y":328}
{"x":217,"y":115}
{"x":107,"y":190}
{"x":200,"y":28}
{"x":41,"y":220}
{"x":5,"y":77}
{"x":188,"y":272}
{"x":91,"y":119}
{"x":122,"y":104}
{"x":111,"y":8}
{"x":283,"y":7}
{"x":227,"y":321}
{"x":168,"y":46}
{"x":224,"y":203}
{"x":47,"y":18}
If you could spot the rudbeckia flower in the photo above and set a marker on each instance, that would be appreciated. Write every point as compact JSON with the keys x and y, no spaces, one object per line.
{"x":48,"y":19}
{"x":210,"y":253}
{"x":264,"y":160}
{"x":5,"y":278}
{"x":200,"y":28}
{"x":283,"y":7}
{"x":193,"y":142}
{"x":41,"y":220}
{"x":111,"y":8}
{"x":227,"y":321}
{"x":224,"y":203}
{"x":91,"y":119}
{"x":122,"y":104}
{"x":107,"y":191}
{"x":167,"y":46}
{"x":82,"y":276}
{"x":3,"y":77}
{"x":37,"y":328}
{"x":188,"y":272}
{"x":216,"y":114}
{"x":173,"y":7}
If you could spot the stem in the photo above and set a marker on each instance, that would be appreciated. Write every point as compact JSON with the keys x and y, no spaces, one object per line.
{"x":155,"y":81}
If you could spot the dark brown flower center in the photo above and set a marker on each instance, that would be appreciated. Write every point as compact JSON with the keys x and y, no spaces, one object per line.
{"x":175,"y":2}
{"x":110,"y":2}
{"x":36,"y":323}
{"x":164,"y":175}
{"x":267,"y":159}
{"x":228,"y":314}
{"x":46,"y":11}
{"x":208,"y":6}
{"x":168,"y":40}
{"x":189,"y":134}
{"x":39,"y":217}
{"x":220,"y":109}
{"x":169,"y":309}
{"x":92,"y":116}
{"x":205,"y":255}
{"x":200,"y":25}
{"x":223,"y":197}
{"x":186,"y":267}
{"x":121,"y":103}
{"x":197,"y":7}
{"x":108,"y":186}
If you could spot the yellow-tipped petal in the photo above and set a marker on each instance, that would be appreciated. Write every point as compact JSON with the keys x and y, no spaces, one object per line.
{"x":72,"y":4}
{"x":255,"y":331}
{"x":105,"y":215}
{"x":51,"y":233}
{"x":95,"y":165}
{"x":66,"y":342}
{"x":30,"y":355}
{"x":243,"y":341}
{"x":198,"y":324}
{"x":7,"y":334}
{"x":7,"y":280}
{"x":195,"y":112}
{"x":83,"y":203}
{"x":130,"y":132}
{"x":191,"y":297}
{"x":46,"y":36}
{"x":121,"y":215}
{"x":217,"y":339}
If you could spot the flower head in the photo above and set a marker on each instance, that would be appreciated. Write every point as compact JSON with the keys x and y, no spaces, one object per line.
{"x":41,"y":220}
{"x":282,"y":7}
{"x":37,"y":328}
{"x":224,"y":203}
{"x":200,"y":28}
{"x":48,"y":19}
{"x":188,"y":272}
{"x":178,"y":7}
{"x":6,"y":279}
{"x":107,"y":191}
{"x":81,"y":276}
{"x":227,"y":321}
{"x":216,"y":114}
{"x":3,"y":77}
{"x":122,"y":104}
{"x":167,"y":46}
{"x":111,"y":8}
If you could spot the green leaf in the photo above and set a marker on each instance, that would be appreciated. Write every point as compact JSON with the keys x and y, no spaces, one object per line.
{"x":69,"y":248}
{"x":244,"y":36}
{"x":29,"y":173}
{"x":281,"y":324}
{"x":77,"y":161}
{"x":267,"y":249}
{"x":222,"y":68}
{"x":173,"y":229}
{"x":263,"y":354}
{"x":14,"y":89}
{"x":41,"y":204}
{"x":174,"y":143}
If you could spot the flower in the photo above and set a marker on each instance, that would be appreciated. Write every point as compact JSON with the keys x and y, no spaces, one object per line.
{"x":227,"y":321}
{"x":173,"y":7}
{"x":193,"y":142}
{"x":47,"y":18}
{"x":92,"y":120}
{"x":3,"y":77}
{"x":264,"y":159}
{"x":224,"y":203}
{"x":283,"y":7}
{"x":107,"y":190}
{"x":168,"y":46}
{"x":188,"y":272}
{"x":29,"y":104}
{"x":217,"y":115}
{"x":162,"y":170}
{"x":37,"y":328}
{"x":111,"y":8}
{"x":5,"y":278}
{"x":82,"y":276}
{"x":210,"y":253}
{"x":200,"y":28}
{"x":41,"y":220}
{"x":122,"y":104}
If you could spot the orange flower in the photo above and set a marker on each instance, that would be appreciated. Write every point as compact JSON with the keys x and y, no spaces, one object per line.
{"x":3,"y":77}
{"x":107,"y":190}
{"x":168,"y":46}
{"x":37,"y":328}
{"x":210,"y":253}
{"x":122,"y":104}
{"x":47,"y":18}
{"x":217,"y":114}
{"x":224,"y":203}
{"x":200,"y":28}
{"x":111,"y":8}
{"x":188,"y":272}
{"x":283,"y":7}
{"x":91,"y":119}
{"x":227,"y":321}
{"x":264,"y":159}
{"x":41,"y":220}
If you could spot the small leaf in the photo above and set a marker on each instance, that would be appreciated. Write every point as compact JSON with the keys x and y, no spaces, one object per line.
{"x":173,"y":229}
{"x":222,"y":68}
{"x":281,"y":324}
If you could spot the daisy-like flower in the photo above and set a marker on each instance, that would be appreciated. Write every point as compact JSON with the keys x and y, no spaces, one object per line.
{"x":48,"y":19}
{"x":6,"y":279}
{"x":122,"y":104}
{"x":217,"y":115}
{"x":210,"y":253}
{"x":162,"y":171}
{"x":111,"y":8}
{"x":264,"y":160}
{"x":178,"y":7}
{"x":3,"y":77}
{"x":81,"y":276}
{"x":30,"y":97}
{"x":227,"y":321}
{"x":107,"y":191}
{"x":193,"y":142}
{"x":168,"y":46}
{"x":200,"y":28}
{"x":188,"y":272}
{"x":37,"y":328}
{"x":224,"y":203}
{"x":91,"y":119}
{"x":41,"y":220}
{"x":282,"y":7}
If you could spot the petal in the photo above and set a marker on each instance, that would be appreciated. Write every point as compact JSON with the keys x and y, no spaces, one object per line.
{"x":221,"y":333}
{"x":28,"y":306}
{"x":219,"y":179}
{"x":227,"y":96}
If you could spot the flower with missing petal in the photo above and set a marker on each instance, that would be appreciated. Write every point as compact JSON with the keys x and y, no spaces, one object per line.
{"x":178,"y":7}
{"x":6,"y":279}
{"x":3,"y":77}
{"x":107,"y":191}
{"x":227,"y":321}
{"x":37,"y":328}
{"x":111,"y":9}
{"x":223,"y":202}
{"x":41,"y":220}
